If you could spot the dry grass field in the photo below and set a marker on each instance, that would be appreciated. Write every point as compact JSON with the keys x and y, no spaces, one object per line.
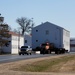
{"x":53,"y":65}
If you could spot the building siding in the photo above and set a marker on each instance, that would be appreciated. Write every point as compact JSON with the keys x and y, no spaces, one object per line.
{"x":48,"y":32}
{"x":14,"y":45}
{"x":72,"y":44}
{"x":17,"y":42}
{"x":66,"y":39}
{"x":28,"y":40}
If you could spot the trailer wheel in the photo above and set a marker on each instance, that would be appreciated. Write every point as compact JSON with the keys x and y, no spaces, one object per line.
{"x":49,"y":51}
{"x":56,"y":52}
{"x":27,"y":54}
{"x":22,"y":53}
{"x":19,"y":53}
{"x":30,"y":53}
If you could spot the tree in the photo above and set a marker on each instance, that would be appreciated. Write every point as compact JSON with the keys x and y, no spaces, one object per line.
{"x":26,"y":25}
{"x":4,"y":35}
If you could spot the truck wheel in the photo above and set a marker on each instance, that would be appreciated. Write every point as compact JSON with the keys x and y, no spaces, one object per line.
{"x":27,"y":54}
{"x":19,"y":53}
{"x":30,"y":53}
{"x":55,"y":52}
{"x":23,"y":54}
{"x":58,"y":52}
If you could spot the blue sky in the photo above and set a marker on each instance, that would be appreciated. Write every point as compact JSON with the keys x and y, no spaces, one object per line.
{"x":59,"y":12}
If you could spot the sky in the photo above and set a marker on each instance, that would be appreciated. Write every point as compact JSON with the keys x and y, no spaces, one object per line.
{"x":59,"y":12}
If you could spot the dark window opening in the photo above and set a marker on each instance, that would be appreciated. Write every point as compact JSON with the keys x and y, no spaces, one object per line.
{"x":47,"y":32}
{"x":36,"y":30}
{"x":36,"y":40}
{"x":25,"y":41}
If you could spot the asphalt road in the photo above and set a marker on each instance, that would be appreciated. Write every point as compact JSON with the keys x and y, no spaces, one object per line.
{"x":12,"y":58}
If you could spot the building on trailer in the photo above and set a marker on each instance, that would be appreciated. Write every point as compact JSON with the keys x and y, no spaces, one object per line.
{"x":28,"y":40}
{"x":49,"y":32}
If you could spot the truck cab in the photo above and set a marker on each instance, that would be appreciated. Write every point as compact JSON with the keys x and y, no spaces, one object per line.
{"x":47,"y":48}
{"x":25,"y":50}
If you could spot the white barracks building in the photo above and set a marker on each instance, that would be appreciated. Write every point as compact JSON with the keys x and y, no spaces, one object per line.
{"x":15,"y":42}
{"x":48,"y":32}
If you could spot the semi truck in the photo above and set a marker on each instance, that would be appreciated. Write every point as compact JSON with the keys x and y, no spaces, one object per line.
{"x":48,"y":48}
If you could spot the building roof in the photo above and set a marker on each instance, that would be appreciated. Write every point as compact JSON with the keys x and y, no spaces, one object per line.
{"x":13,"y":33}
{"x":49,"y":24}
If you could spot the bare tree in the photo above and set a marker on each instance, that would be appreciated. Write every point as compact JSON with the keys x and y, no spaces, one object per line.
{"x":26,"y":25}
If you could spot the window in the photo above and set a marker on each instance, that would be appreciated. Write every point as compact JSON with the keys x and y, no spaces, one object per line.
{"x":36,"y":30}
{"x":25,"y":41}
{"x":47,"y":32}
{"x":36,"y":40}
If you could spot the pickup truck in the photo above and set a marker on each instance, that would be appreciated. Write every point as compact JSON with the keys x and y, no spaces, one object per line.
{"x":25,"y":50}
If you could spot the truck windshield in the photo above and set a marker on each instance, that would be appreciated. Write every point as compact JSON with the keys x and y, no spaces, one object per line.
{"x":43,"y":44}
{"x":24,"y":47}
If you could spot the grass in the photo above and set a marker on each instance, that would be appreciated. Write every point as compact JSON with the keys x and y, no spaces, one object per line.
{"x":47,"y":65}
